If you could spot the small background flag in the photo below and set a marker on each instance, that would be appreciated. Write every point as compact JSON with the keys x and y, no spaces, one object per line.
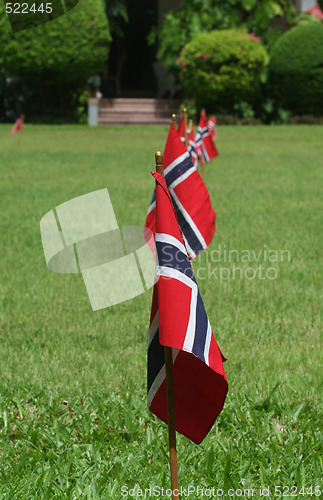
{"x":178,"y":320}
{"x":206,"y":148}
{"x":212,"y":127}
{"x":189,"y":194}
{"x":18,"y":124}
{"x":191,"y":140}
{"x":181,"y":129}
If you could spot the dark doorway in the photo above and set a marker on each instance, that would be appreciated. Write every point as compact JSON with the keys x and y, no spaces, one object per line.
{"x":138,"y":76}
{"x":130,"y":68}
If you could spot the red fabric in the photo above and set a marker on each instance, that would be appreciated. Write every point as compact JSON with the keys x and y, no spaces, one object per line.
{"x":181,"y":129}
{"x":208,"y":143}
{"x":200,"y":388}
{"x":169,"y":290}
{"x":198,"y":206}
{"x":174,"y":146}
{"x":169,"y":293}
{"x":196,"y":405}
{"x":191,"y":136}
{"x":212,"y":127}
{"x":165,"y":224}
{"x":18,"y":125}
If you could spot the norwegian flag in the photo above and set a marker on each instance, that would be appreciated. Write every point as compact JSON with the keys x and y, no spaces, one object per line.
{"x":18,"y":124}
{"x":206,"y":148}
{"x":192,"y":147}
{"x":181,"y":129}
{"x":178,"y":320}
{"x":191,"y":140}
{"x":212,"y":127}
{"x":189,"y":194}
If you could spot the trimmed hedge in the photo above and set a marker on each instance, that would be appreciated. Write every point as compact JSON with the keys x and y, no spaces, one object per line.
{"x":68,"y":49}
{"x":296,"y":69}
{"x":221,"y":68}
{"x":43,"y":70}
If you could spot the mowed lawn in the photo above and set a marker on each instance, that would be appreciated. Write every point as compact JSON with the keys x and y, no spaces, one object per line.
{"x":73,"y":416}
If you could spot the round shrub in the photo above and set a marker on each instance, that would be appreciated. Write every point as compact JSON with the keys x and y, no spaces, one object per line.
{"x":221,"y":68}
{"x":296,"y":69}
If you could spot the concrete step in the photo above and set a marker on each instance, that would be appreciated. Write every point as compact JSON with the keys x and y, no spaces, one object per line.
{"x":135,"y":113}
{"x":137,"y":110}
{"x":132,"y":121}
{"x":139,"y":103}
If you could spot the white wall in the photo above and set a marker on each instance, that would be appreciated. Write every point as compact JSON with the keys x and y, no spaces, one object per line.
{"x":306,"y":4}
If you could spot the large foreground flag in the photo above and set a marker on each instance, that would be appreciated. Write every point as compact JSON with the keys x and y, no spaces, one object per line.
{"x":178,"y":320}
{"x":206,"y":148}
{"x":189,"y":194}
{"x":18,"y":124}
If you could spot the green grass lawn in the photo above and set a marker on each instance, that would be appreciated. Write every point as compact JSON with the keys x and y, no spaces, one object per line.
{"x":73,"y":416}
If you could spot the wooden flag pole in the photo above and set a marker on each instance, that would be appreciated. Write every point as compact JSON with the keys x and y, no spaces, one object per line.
{"x":170,"y":388}
{"x":185,"y":127}
{"x":174,"y":123}
{"x":159,"y":161}
{"x":20,"y":130}
{"x":171,"y":422}
{"x":19,"y":136}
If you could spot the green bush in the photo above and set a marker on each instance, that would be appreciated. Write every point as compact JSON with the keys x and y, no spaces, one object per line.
{"x":221,"y":68}
{"x":69,"y":49}
{"x":13,"y":96}
{"x":195,"y":17}
{"x":53,"y":61}
{"x":296,"y":69}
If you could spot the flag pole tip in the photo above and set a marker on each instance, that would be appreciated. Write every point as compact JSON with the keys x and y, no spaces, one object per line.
{"x":158,"y":158}
{"x":185,"y":110}
{"x":174,"y":118}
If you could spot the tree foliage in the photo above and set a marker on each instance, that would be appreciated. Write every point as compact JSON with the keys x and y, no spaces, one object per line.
{"x":296,"y":69}
{"x":117,"y":13}
{"x":201,"y":16}
{"x":222,"y":68}
{"x":68,"y":49}
{"x":43,"y":70}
